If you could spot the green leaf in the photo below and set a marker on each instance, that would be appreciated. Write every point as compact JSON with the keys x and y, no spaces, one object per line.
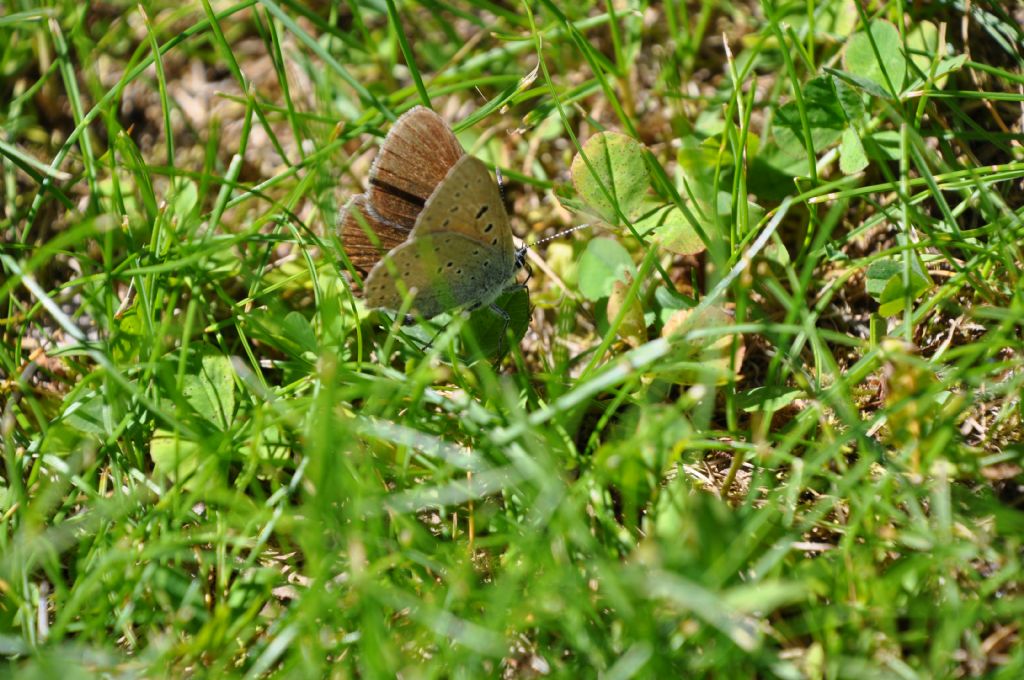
{"x":852,"y":158}
{"x":490,"y":330}
{"x":823,"y":109}
{"x":697,"y":159}
{"x":865,"y":85}
{"x":878,"y":274}
{"x":826,"y":118}
{"x":699,"y":162}
{"x":923,"y":44}
{"x":270,"y":445}
{"x":885,"y":283}
{"x":672,"y":231}
{"x":883,"y":145}
{"x":616,"y":176}
{"x":947,"y":66}
{"x":175,"y":457}
{"x":861,"y":60}
{"x":602,"y":264}
{"x":923,"y":47}
{"x":290,"y":334}
{"x":776,"y":252}
{"x":210,"y":390}
{"x":768,"y":398}
{"x":89,"y":413}
{"x":894,"y":297}
{"x":299,"y":331}
{"x":129,"y":332}
{"x":668,"y":303}
{"x":850,"y":99}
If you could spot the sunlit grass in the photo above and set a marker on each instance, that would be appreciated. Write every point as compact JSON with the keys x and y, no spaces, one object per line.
{"x":216,"y":461}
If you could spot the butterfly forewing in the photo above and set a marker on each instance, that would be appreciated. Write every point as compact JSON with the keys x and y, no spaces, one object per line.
{"x":468,"y":202}
{"x":443,"y":271}
{"x":367,"y":237}
{"x":415,"y":157}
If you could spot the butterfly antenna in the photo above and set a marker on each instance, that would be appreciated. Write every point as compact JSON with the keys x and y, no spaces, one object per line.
{"x":560,"y":234}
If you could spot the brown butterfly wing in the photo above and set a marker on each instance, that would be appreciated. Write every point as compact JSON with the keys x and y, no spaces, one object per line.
{"x":415,"y":157}
{"x":366,"y":236}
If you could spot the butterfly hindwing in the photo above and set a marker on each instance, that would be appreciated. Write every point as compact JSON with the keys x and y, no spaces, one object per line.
{"x":366,"y":236}
{"x":444,"y":270}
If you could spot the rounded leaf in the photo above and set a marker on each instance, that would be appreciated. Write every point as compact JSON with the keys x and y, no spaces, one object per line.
{"x":852,"y":157}
{"x":713,"y":354}
{"x":824,"y":115}
{"x":613,"y":173}
{"x":887,"y":67}
{"x":672,"y":231}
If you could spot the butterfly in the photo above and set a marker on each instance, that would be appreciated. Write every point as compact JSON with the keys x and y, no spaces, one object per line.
{"x":431,"y":225}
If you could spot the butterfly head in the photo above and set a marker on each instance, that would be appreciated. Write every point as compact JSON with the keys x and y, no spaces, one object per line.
{"x":521,"y":263}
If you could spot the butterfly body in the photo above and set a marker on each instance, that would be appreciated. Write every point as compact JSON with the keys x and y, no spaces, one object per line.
{"x":447,"y":247}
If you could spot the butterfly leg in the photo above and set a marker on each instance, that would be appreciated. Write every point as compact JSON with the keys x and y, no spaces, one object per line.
{"x":442,"y":329}
{"x":504,"y":329}
{"x":529,"y":273}
{"x":409,"y":320}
